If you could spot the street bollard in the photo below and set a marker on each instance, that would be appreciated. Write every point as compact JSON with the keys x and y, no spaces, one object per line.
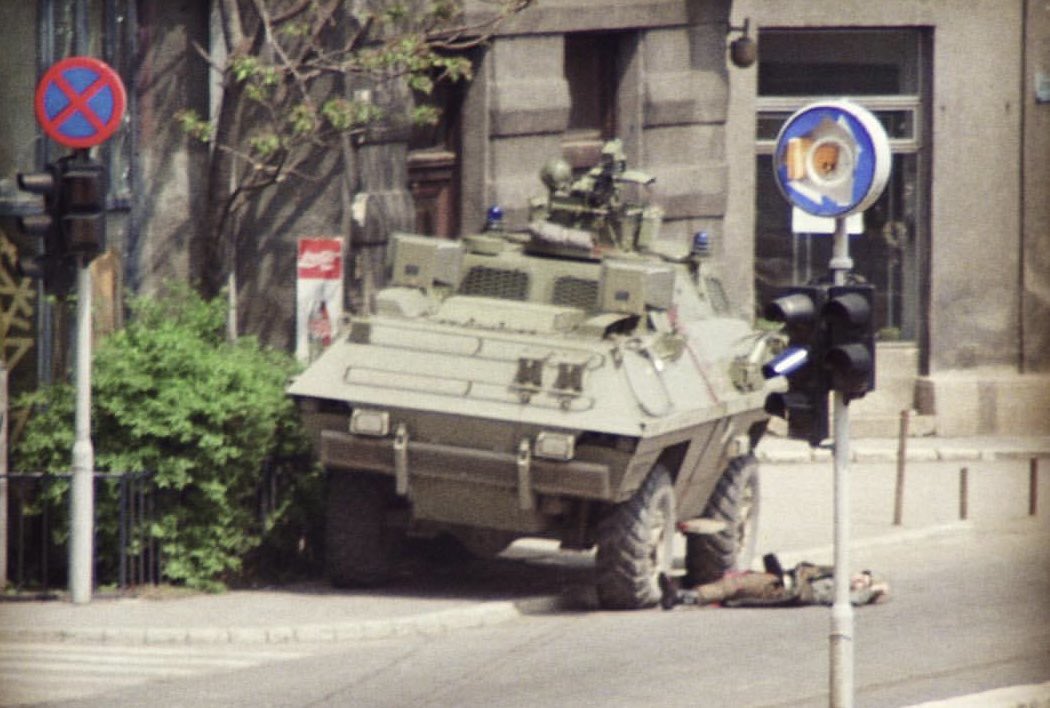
{"x":902,"y":457}
{"x":1033,"y":486}
{"x":964,"y":493}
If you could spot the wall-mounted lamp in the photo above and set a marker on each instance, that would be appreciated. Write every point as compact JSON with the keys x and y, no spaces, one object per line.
{"x":743,"y":50}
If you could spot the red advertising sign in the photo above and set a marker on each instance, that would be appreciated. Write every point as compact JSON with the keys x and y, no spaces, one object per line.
{"x":320,"y":258}
{"x":318,"y":295}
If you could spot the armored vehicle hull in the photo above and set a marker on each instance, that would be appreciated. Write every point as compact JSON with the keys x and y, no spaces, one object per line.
{"x":498,"y":391}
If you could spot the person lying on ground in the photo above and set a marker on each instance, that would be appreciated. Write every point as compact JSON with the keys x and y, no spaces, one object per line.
{"x":805,"y":584}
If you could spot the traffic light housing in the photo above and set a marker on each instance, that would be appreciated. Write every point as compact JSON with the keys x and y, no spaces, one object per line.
{"x":71,"y":230}
{"x":850,"y":359}
{"x":82,"y":203}
{"x":42,"y":253}
{"x":805,"y":404}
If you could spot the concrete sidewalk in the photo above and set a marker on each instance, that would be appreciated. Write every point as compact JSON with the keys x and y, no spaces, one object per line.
{"x":534,"y":576}
{"x":919,"y":449}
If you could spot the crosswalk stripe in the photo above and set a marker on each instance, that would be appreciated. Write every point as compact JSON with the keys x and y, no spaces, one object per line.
{"x":156,"y":650}
{"x":41,"y":667}
{"x":184,"y":668}
{"x":130,"y":660}
{"x":33,"y":672}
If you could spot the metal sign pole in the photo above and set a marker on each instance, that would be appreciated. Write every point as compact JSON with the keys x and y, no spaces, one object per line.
{"x":82,"y":491}
{"x":842,"y":610}
{"x":3,"y":476}
{"x":833,"y":160}
{"x":79,"y":103}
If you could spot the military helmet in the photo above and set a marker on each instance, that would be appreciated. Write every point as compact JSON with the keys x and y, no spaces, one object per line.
{"x":556,"y":174}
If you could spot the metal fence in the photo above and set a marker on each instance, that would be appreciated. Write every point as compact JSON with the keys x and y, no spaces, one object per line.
{"x":126,"y":553}
{"x":37,"y":504}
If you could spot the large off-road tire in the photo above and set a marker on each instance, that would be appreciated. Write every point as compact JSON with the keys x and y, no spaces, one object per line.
{"x":361,"y":545}
{"x":735,"y":501}
{"x":635,"y":545}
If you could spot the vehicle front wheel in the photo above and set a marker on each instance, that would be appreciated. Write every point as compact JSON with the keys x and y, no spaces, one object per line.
{"x":635,"y":545}
{"x":735,"y":501}
{"x":361,"y":544}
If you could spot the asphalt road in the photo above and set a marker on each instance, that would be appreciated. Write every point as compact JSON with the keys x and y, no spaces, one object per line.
{"x":970,"y":612}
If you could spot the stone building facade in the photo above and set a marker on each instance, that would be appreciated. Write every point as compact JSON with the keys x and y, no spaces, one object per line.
{"x":959,"y":246}
{"x":962,"y":238}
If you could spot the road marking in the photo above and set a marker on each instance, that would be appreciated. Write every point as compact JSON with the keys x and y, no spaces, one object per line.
{"x":33,"y":672}
{"x":1032,"y":695}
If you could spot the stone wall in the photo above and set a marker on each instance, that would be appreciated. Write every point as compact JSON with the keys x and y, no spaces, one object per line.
{"x":671,"y":109}
{"x":18,"y":77}
{"x":987,"y":276}
{"x":1035,"y":215}
{"x":168,"y":182}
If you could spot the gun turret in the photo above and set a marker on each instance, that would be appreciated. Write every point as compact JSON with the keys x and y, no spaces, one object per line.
{"x":589,"y":216}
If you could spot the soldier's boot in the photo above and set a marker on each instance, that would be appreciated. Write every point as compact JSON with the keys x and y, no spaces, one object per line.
{"x":671,"y":595}
{"x":772,"y":565}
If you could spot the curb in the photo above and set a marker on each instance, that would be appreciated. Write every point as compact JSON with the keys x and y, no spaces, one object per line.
{"x":434,"y":623}
{"x":797,"y":452}
{"x":890,"y":539}
{"x":1031,"y":695}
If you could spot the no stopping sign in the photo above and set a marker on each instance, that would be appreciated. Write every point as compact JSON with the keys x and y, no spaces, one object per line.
{"x":80,"y":102}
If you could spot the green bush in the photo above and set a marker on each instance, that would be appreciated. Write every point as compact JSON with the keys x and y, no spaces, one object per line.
{"x":170,"y":396}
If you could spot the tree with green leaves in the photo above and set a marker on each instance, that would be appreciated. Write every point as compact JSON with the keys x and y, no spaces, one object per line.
{"x":300,"y":76}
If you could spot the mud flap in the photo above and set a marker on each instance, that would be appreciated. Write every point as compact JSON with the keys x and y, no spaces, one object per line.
{"x":401,"y":460}
{"x":524,"y":464}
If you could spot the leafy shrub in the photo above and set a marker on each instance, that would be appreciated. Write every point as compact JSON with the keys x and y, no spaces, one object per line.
{"x":170,"y":396}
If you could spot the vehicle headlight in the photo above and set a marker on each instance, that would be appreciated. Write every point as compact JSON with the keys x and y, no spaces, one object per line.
{"x":365,"y":421}
{"x":554,"y":446}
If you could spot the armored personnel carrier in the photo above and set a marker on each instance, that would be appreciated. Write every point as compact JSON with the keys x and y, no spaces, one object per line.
{"x":566,"y":382}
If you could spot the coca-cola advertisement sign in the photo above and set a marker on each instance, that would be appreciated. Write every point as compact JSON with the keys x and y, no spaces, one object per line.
{"x":319,"y":295}
{"x":320,"y":258}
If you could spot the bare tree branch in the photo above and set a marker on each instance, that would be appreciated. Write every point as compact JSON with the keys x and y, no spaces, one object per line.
{"x":232,"y":25}
{"x":292,"y":12}
{"x":286,"y":70}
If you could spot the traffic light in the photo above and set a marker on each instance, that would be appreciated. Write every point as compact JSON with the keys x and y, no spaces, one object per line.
{"x":850,"y":359}
{"x":805,"y":403}
{"x":43,"y":255}
{"x":82,"y":203}
{"x":72,"y":228}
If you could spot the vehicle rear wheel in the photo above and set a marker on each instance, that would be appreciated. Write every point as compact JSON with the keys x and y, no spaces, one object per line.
{"x":361,"y":544}
{"x":635,"y":545}
{"x":735,"y":501}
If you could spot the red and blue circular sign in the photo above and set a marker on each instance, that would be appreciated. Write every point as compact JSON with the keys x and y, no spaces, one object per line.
{"x":832,"y":159}
{"x":80,"y":102}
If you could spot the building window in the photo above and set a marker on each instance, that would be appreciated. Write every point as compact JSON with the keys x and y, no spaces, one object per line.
{"x":884,"y":71}
{"x":592,"y":62}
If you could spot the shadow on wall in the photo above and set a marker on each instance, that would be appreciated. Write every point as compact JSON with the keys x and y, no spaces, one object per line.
{"x":266,"y":252}
{"x":169,"y":175}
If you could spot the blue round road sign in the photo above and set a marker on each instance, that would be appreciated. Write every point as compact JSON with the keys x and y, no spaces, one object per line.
{"x":832,"y":159}
{"x":80,"y":102}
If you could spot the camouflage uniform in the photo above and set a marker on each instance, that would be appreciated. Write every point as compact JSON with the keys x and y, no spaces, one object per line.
{"x":805,"y":584}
